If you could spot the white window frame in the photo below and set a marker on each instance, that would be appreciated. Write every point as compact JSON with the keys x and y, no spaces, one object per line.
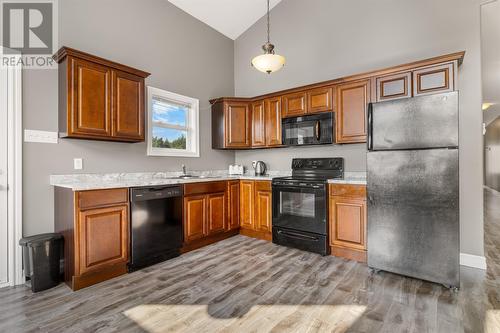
{"x":193,"y":126}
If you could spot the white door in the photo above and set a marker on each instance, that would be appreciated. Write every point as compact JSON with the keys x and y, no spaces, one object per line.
{"x":4,"y":235}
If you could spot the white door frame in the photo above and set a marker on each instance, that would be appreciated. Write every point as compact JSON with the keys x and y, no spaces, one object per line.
{"x":14,"y":172}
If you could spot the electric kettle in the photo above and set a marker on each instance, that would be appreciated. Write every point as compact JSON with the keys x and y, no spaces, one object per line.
{"x":259,"y":167}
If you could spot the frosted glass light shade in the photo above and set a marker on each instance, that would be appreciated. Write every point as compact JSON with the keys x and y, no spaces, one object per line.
{"x":268,"y":63}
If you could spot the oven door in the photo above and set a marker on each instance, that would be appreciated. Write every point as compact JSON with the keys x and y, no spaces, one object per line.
{"x":308,"y":130}
{"x":300,"y":208}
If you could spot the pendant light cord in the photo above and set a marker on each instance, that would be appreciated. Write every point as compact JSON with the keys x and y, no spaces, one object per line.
{"x":268,"y":24}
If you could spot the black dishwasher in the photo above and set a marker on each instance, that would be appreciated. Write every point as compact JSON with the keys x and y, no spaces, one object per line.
{"x":155,"y":224}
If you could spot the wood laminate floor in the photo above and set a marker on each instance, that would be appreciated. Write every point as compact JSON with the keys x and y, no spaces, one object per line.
{"x":247,"y":285}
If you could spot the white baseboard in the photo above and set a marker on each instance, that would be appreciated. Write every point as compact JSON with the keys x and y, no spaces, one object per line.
{"x":471,"y":260}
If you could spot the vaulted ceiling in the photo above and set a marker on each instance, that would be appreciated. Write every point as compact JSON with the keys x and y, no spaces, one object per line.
{"x":229,"y":17}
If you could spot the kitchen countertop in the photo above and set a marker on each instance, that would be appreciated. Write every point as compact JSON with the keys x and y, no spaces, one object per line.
{"x":83,"y":182}
{"x":352,"y":178}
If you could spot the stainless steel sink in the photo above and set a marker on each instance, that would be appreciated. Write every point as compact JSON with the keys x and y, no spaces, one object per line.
{"x":191,"y":177}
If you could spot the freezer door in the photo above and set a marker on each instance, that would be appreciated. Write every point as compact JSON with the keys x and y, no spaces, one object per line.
{"x":412,"y":123}
{"x":413,"y":213}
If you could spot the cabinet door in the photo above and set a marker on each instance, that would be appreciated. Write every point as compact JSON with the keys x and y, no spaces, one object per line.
{"x":319,"y":100}
{"x":194,"y":217}
{"x":233,"y":204}
{"x":294,"y":104}
{"x":90,"y":100}
{"x":393,"y":86}
{"x":128,"y":106}
{"x":237,"y":125}
{"x":352,"y":103}
{"x":348,"y":222}
{"x":216,"y":213}
{"x":263,"y":216}
{"x":434,"y":79}
{"x":273,"y":121}
{"x":102,"y":238}
{"x":258,"y":125}
{"x":246,"y":204}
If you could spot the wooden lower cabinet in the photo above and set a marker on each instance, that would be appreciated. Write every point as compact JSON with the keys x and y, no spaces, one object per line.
{"x":216,"y":213}
{"x":95,"y":226}
{"x":233,"y":206}
{"x":246,"y":204}
{"x":347,"y":211}
{"x":263,"y":207}
{"x":103,"y":237}
{"x":195,"y":217}
{"x":255,"y":209}
{"x":207,"y":213}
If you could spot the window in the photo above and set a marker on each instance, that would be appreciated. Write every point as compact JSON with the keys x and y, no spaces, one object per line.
{"x":172,"y":124}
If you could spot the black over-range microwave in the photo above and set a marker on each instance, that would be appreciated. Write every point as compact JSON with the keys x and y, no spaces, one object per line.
{"x":316,"y":129}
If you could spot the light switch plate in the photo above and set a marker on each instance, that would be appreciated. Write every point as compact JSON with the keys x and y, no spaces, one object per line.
{"x":78,"y":163}
{"x":40,"y":136}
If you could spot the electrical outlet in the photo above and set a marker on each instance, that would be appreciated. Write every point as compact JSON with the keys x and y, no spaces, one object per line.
{"x":78,"y":163}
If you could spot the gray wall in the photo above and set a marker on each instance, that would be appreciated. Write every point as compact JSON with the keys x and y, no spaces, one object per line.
{"x":324,"y":39}
{"x":184,"y":56}
{"x":490,"y":61}
{"x":492,"y":155}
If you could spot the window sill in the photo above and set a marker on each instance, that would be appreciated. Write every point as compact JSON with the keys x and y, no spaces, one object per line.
{"x":172,"y":153}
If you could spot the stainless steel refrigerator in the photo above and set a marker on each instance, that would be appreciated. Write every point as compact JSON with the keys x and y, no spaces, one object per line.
{"x":413,"y":188}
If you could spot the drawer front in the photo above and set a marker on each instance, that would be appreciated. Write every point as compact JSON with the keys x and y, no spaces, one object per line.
{"x":348,"y":190}
{"x":208,"y":187}
{"x":99,"y":198}
{"x":262,"y":185}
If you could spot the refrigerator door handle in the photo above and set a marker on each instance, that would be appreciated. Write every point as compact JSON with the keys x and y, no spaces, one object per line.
{"x":369,"y":141}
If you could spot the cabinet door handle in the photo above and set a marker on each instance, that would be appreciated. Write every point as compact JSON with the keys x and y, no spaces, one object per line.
{"x":317,"y":129}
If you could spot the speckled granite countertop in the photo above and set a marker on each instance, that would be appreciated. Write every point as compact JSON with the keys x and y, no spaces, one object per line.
{"x":83,"y":182}
{"x":352,"y":178}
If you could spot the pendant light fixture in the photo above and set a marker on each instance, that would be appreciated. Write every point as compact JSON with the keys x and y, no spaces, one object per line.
{"x":268,"y":62}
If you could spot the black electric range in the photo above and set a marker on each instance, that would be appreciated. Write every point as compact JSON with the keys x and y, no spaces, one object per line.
{"x":300,"y":204}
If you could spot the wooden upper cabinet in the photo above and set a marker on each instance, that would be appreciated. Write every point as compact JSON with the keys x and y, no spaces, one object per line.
{"x":216,"y":213}
{"x":236,"y":119}
{"x":352,"y":104}
{"x":258,"y":124}
{"x":434,"y":79}
{"x":194,"y":217}
{"x":128,"y":106}
{"x":238,"y":125}
{"x":99,"y":99}
{"x":89,"y":99}
{"x":233,"y":189}
{"x":273,"y":121}
{"x":319,"y":100}
{"x":294,"y":105}
{"x":394,"y":86}
{"x":103,"y":238}
{"x":247,"y":204}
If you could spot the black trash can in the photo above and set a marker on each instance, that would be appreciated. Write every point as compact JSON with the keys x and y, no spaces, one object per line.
{"x":41,"y":258}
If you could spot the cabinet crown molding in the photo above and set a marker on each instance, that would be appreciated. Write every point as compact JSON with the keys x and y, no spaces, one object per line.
{"x":456,"y":56}
{"x":67,"y":51}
